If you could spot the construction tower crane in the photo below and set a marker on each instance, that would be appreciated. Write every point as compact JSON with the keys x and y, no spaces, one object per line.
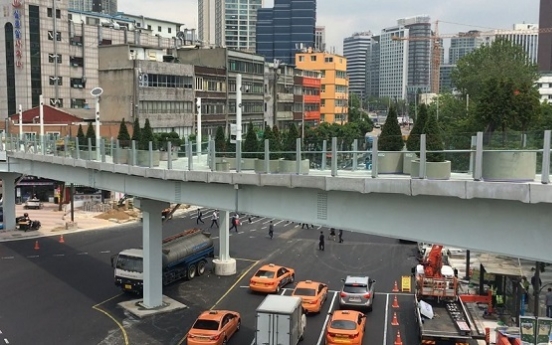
{"x":436,"y":48}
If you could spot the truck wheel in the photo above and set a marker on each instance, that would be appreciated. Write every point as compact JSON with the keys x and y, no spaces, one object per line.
{"x":191,"y":272}
{"x":201,"y":268}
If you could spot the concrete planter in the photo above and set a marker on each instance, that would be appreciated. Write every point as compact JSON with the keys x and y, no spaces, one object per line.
{"x":122,"y":156}
{"x":222,"y":166}
{"x":164,"y":155}
{"x":142,"y":158}
{"x":248,"y":163}
{"x":84,"y":154}
{"x":290,"y":167}
{"x":273,"y":166}
{"x":434,"y":170}
{"x":509,"y":166}
{"x":231,"y":162}
{"x":390,"y":162}
{"x":408,"y":157}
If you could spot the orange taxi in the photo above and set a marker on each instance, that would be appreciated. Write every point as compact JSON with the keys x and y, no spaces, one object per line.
{"x":271,"y":278}
{"x":345,"y":327}
{"x":214,"y":327}
{"x":313,"y":295}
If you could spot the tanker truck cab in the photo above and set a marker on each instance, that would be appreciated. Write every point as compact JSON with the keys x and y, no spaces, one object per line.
{"x":183,"y":256}
{"x":128,"y":270}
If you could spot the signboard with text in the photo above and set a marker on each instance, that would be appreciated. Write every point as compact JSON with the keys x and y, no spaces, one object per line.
{"x":544,"y":326}
{"x":18,"y":35}
{"x":528,"y":330}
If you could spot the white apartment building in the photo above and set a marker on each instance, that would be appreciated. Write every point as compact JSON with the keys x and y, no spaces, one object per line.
{"x":228,"y":23}
{"x":525,"y":35}
{"x":393,"y":75}
{"x":355,"y":49}
{"x":320,"y":39}
{"x":545,"y":87}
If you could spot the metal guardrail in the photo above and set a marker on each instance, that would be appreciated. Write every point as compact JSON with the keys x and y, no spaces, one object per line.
{"x":187,"y":159}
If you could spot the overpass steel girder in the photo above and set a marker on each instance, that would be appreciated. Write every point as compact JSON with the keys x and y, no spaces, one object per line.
{"x":496,"y":225}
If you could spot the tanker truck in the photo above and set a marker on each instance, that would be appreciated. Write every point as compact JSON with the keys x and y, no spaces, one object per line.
{"x":185,"y":255}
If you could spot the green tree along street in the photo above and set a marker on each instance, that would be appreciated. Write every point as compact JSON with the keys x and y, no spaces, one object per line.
{"x":123,"y":136}
{"x":220,"y":142}
{"x":81,"y":137}
{"x":136,"y":131}
{"x":434,"y":141}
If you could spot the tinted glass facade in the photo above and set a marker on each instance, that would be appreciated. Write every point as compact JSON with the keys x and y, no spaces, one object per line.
{"x":10,"y":68}
{"x":283,"y":29}
{"x":36,"y":64}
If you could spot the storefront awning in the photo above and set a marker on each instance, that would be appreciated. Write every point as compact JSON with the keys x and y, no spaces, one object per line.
{"x":499,"y":266}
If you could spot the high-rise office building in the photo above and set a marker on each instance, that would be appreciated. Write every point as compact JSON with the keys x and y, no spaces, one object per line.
{"x":355,"y":49}
{"x":373,"y":68}
{"x":285,"y":29}
{"x":228,"y":23}
{"x":100,"y":6}
{"x":463,"y":44}
{"x":545,"y":38}
{"x":320,"y":39}
{"x":419,"y":55}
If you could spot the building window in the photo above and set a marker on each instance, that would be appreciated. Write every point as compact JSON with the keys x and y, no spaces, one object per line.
{"x":92,"y":21}
{"x":313,"y":58}
{"x":246,"y":67}
{"x":159,"y":29}
{"x":69,"y":16}
{"x":77,"y":83}
{"x":328,"y":59}
{"x":51,"y":12}
{"x":78,"y":103}
{"x":76,"y":41}
{"x":165,"y":107}
{"x":169,"y":30}
{"x":199,"y":84}
{"x":149,"y":27}
{"x":10,"y":67}
{"x":56,"y":80}
{"x":51,"y":36}
{"x":301,"y":58}
{"x":170,"y":81}
{"x":52,"y":58}
{"x":53,"y":135}
{"x":35,"y":54}
{"x":76,"y":61}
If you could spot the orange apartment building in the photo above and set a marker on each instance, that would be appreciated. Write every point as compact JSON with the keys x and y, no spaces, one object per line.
{"x":306,"y":96}
{"x":334,"y":92}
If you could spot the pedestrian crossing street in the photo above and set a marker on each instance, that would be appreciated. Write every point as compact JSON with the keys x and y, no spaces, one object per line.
{"x":258,"y":227}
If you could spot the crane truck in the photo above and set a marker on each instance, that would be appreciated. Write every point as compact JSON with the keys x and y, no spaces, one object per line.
{"x":441,"y":314}
{"x":185,"y":255}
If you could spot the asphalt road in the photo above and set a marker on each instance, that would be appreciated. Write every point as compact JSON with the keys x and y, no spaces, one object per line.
{"x":63,"y":293}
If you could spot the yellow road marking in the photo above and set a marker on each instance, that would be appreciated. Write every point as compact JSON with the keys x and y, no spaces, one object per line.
{"x":254,"y":263}
{"x":97,"y":307}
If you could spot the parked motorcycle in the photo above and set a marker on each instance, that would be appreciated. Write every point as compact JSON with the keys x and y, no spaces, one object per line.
{"x":27,"y":225}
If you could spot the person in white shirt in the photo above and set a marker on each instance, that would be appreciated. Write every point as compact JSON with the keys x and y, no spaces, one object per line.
{"x":214,"y":219}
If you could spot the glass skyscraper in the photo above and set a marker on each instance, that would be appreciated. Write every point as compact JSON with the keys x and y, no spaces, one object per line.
{"x":286,"y":29}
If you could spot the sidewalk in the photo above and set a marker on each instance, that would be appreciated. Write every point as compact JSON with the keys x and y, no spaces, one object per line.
{"x":55,"y":223}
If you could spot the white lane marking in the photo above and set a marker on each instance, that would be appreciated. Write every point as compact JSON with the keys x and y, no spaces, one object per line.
{"x":7,"y":258}
{"x":279,"y":222}
{"x":283,"y":292}
{"x":323,"y":331}
{"x":268,"y":221}
{"x":32,"y":256}
{"x":338,"y":291}
{"x":6,"y":341}
{"x":82,"y":253}
{"x":258,"y":220}
{"x":105,"y":252}
{"x":58,"y":255}
{"x":264,"y":227}
{"x":386,"y":319}
{"x":319,"y":228}
{"x":253,"y":230}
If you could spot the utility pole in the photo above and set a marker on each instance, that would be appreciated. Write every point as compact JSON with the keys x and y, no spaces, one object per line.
{"x":276,"y":66}
{"x":303,"y":118}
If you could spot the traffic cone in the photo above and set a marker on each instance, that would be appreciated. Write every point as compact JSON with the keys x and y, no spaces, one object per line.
{"x":394,"y":322}
{"x":36,"y":247}
{"x":395,"y":302}
{"x":395,"y":288}
{"x":61,"y":240}
{"x":398,"y":340}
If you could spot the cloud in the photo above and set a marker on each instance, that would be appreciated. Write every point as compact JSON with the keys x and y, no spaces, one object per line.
{"x":343,"y":18}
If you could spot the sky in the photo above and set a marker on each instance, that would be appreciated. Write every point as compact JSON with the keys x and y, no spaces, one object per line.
{"x":342,"y":18}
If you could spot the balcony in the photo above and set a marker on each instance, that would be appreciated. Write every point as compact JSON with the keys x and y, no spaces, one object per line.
{"x":311,"y":98}
{"x":284,"y":97}
{"x":313,"y":115}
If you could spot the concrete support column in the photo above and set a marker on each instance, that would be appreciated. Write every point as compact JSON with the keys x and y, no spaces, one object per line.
{"x":224,"y":265}
{"x":152,"y":239}
{"x":8,"y":199}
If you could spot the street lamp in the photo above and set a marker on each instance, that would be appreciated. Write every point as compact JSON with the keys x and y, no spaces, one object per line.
{"x":97,"y":92}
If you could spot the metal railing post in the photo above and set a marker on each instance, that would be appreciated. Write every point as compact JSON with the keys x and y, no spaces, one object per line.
{"x":375,"y":157}
{"x":238,"y":155}
{"x":134,"y":153}
{"x":66,"y":145}
{"x":267,"y":156}
{"x":355,"y":155}
{"x":298,"y":156}
{"x":77,"y":147}
{"x":472,"y":154}
{"x":324,"y":153}
{"x":169,"y":155}
{"x":117,"y":153}
{"x":112,"y":149}
{"x":334,"y":156}
{"x":212,"y":154}
{"x":189,"y":154}
{"x":422,"y":171}
{"x":478,"y":167}
{"x":545,"y":173}
{"x":150,"y":154}
{"x":102,"y":149}
{"x":90,"y":149}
